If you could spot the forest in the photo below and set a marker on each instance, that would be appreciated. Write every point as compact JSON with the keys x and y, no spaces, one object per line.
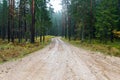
{"x":59,"y":39}
{"x":93,"y":24}
{"x":24,"y":19}
{"x":84,"y":20}
{"x":91,"y":19}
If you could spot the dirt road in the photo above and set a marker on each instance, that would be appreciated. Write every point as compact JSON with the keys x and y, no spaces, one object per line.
{"x":62,"y":61}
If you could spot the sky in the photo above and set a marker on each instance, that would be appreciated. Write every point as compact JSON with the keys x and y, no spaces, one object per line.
{"x":56,"y":5}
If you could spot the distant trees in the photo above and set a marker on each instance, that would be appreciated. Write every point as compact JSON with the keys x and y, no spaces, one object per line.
{"x":24,"y":20}
{"x":90,"y":19}
{"x":56,"y":28}
{"x":66,"y":18}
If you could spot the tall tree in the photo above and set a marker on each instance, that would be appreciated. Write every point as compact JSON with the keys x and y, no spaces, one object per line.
{"x":4,"y":19}
{"x":11,"y":20}
{"x":33,"y":22}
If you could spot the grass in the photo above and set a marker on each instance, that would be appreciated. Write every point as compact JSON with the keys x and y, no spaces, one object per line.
{"x":13,"y":51}
{"x":109,"y":48}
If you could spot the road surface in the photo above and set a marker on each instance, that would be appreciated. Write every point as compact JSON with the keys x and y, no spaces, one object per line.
{"x":62,"y":61}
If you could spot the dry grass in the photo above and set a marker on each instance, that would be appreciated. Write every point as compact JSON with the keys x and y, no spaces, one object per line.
{"x":10,"y":51}
{"x":112,"y":49}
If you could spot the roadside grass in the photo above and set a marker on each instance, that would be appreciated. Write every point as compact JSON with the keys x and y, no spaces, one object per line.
{"x":13,"y":51}
{"x":112,"y":49}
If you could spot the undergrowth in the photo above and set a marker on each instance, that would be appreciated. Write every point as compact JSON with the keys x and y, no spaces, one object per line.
{"x":12,"y":51}
{"x":112,"y":49}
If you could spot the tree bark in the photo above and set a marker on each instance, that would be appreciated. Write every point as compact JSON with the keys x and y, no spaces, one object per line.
{"x":33,"y":22}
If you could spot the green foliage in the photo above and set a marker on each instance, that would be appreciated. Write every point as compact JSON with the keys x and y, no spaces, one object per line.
{"x":43,"y":20}
{"x":106,"y":18}
{"x":95,"y":24}
{"x":56,"y":28}
{"x":16,"y":22}
{"x":3,"y":18}
{"x":92,"y":19}
{"x":82,"y":16}
{"x":17,"y":25}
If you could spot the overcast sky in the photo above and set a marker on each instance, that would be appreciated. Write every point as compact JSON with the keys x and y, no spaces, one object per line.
{"x":56,"y":5}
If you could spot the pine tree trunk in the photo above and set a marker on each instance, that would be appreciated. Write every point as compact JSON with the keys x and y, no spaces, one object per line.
{"x":33,"y":22}
{"x":12,"y":23}
{"x":9,"y":21}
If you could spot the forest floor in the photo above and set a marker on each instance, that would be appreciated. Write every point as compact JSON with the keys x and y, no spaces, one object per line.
{"x":62,"y":61}
{"x":108,"y":48}
{"x":12,"y":51}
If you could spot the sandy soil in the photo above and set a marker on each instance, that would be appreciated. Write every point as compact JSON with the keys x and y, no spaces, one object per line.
{"x":62,"y":61}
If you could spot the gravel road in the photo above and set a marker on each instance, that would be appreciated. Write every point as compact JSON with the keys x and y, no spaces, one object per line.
{"x":62,"y":61}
